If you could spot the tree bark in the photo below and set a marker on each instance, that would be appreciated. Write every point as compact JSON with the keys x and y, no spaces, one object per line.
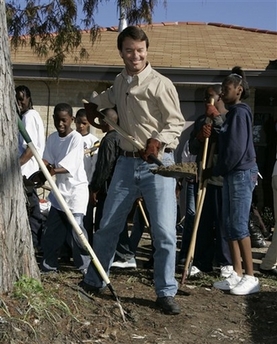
{"x":16,"y":249}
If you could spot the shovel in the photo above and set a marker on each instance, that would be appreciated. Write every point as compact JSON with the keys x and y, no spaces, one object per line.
{"x":199,"y":206}
{"x":68,"y":213}
{"x":92,"y":149}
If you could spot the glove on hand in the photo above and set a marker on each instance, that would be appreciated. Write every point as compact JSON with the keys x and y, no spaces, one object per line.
{"x":211,"y":111}
{"x":152,"y":148}
{"x":204,"y":132}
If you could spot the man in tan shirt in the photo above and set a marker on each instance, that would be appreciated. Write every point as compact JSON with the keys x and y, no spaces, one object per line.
{"x":149,"y":109}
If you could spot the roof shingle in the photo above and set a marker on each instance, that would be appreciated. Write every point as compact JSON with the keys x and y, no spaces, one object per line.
{"x":180,"y":45}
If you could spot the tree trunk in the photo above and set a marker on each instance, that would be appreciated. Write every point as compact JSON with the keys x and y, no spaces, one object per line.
{"x":16,"y":250}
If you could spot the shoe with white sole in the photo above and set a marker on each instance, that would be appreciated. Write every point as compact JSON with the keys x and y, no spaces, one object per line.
{"x":229,"y":282}
{"x":125,"y":264}
{"x":226,"y":271}
{"x":247,"y":285}
{"x":46,"y":269}
{"x":194,"y":271}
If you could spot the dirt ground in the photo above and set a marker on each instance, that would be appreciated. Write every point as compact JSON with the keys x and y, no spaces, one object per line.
{"x":59,"y":314}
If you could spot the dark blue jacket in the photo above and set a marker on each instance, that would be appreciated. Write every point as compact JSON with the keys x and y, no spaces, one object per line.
{"x":236,"y":148}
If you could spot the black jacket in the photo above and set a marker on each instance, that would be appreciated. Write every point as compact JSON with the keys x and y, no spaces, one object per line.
{"x":196,"y":147}
{"x":106,"y":159}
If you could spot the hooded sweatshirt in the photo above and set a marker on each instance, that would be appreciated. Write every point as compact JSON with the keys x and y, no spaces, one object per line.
{"x":236,"y":147}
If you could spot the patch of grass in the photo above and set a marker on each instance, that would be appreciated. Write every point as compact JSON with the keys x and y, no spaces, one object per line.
{"x":35,"y":305}
{"x":26,"y":287}
{"x":40,"y":301}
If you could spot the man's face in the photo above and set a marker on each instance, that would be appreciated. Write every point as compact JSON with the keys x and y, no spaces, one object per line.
{"x":134,"y":55}
{"x":23,"y":102}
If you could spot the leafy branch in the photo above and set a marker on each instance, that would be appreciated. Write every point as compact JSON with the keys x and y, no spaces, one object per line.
{"x":53,"y":29}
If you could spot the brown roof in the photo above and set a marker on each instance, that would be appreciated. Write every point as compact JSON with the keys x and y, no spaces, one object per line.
{"x":182,"y":44}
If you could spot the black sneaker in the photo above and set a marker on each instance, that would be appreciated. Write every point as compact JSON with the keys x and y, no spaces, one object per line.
{"x":89,"y":289}
{"x":168,"y":305}
{"x":272,"y":272}
{"x":46,"y":269}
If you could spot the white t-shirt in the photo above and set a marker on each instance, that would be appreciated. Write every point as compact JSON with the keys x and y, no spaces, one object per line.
{"x":34,"y":127}
{"x":90,"y":161}
{"x":68,"y":152}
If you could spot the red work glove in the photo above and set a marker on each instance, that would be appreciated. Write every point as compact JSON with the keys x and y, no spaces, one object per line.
{"x":211,"y":111}
{"x":204,"y":132}
{"x":152,"y":148}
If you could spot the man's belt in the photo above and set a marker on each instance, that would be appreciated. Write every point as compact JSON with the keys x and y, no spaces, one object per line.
{"x":136,"y":154}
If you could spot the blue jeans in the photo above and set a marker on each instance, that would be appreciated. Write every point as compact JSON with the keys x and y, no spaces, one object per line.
{"x":238,"y":187}
{"x":131,"y":180}
{"x":58,"y":230}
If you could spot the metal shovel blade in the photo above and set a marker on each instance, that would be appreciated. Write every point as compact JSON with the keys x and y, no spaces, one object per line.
{"x":182,"y":170}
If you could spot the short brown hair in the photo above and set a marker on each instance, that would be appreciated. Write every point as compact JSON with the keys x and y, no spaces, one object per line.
{"x":133,"y":32}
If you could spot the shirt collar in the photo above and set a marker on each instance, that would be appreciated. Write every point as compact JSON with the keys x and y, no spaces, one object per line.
{"x":140,"y":76}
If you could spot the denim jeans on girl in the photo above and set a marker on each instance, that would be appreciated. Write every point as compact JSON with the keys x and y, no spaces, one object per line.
{"x":238,"y":187}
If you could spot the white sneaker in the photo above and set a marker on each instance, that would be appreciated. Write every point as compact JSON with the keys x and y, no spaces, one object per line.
{"x":194,"y":271}
{"x":247,"y":285}
{"x":125,"y":264}
{"x":226,"y":271}
{"x":229,"y":282}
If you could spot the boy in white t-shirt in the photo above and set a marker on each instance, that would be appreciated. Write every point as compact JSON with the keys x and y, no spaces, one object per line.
{"x":64,"y":158}
{"x":90,"y":157}
{"x":90,"y":142}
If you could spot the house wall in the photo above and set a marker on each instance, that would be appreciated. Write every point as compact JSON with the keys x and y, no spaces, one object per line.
{"x":46,"y":94}
{"x":265,"y":139}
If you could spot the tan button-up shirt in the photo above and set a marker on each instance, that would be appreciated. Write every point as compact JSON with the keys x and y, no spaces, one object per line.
{"x":148,"y":107}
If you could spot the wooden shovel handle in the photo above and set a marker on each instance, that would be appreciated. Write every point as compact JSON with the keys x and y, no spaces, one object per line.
{"x":199,"y":206}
